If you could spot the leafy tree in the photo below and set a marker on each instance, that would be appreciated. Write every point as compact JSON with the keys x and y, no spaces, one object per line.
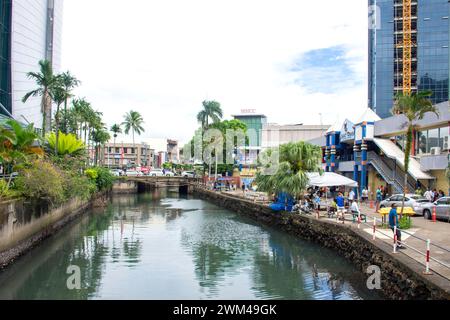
{"x":295,"y":161}
{"x":414,"y":107}
{"x":68,"y":145}
{"x":211,"y":110}
{"x":45,"y":80}
{"x":133,"y":121}
{"x":99,"y":138}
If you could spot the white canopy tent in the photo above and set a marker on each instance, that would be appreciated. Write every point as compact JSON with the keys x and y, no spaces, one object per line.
{"x":330,"y":179}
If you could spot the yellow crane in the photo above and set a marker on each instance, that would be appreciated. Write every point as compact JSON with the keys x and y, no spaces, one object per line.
{"x":407,"y":47}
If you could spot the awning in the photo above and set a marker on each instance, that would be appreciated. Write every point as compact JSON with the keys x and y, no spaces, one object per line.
{"x":391,"y":150}
{"x":330,"y":179}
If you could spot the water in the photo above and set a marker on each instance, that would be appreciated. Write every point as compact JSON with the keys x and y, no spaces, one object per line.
{"x":161,"y":246}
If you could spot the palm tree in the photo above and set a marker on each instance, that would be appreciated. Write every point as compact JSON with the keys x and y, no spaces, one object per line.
{"x":290,"y":175}
{"x":414,"y":107}
{"x":59,"y":95}
{"x":211,"y":109}
{"x":68,"y":82}
{"x":133,"y":121}
{"x":115,"y":129}
{"x":99,"y":137}
{"x":46,"y":80}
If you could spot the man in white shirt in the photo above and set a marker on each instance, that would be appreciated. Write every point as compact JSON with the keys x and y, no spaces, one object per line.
{"x":429,"y":195}
{"x":351,"y":195}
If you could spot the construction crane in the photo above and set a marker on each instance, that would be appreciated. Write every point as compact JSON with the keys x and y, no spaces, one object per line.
{"x":407,"y":47}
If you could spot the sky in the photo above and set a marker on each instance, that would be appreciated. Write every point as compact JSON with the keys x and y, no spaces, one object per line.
{"x":296,"y":61}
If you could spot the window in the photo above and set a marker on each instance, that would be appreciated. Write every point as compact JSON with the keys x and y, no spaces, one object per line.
{"x":117,"y":150}
{"x":125,"y":150}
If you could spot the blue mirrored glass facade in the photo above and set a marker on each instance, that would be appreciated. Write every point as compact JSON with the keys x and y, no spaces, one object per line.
{"x":430,"y":52}
{"x":5,"y":52}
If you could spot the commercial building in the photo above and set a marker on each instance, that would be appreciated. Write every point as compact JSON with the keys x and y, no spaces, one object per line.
{"x":126,"y":155}
{"x":408,"y":50}
{"x":249,"y":154}
{"x":30,"y":31}
{"x":372,"y":151}
{"x":274,"y":135}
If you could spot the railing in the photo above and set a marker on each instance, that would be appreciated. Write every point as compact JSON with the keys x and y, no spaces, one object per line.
{"x":426,"y":252}
{"x":388,"y":173}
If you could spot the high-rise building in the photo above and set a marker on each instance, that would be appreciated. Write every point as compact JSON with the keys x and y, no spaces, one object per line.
{"x":408,"y":45}
{"x":30,"y":31}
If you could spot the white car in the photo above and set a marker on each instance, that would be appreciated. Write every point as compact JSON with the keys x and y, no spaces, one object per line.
{"x":160,"y":173}
{"x":117,"y":173}
{"x":188,"y":174}
{"x":133,"y":173}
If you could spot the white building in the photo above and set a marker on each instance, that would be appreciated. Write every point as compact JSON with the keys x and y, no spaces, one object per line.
{"x":30,"y":32}
{"x":274,"y":135}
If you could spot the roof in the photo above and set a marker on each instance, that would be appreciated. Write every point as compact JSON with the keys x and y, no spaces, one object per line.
{"x":248,"y":115}
{"x":368,"y":116}
{"x":392,"y":151}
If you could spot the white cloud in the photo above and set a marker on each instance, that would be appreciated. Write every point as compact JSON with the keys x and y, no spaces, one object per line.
{"x":164,"y":57}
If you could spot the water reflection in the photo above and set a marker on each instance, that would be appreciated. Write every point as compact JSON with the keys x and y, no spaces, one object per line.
{"x":163,"y":246}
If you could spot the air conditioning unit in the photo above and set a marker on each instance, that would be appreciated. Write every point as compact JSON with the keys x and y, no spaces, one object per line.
{"x":447,"y":143}
{"x":435,"y":151}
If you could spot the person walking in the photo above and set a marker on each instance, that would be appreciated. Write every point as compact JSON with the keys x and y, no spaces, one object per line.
{"x":393,"y":223}
{"x":340,"y":201}
{"x":379,"y":197}
{"x":365,"y":195}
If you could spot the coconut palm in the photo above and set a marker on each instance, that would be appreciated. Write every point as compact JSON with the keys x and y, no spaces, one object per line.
{"x":414,"y":107}
{"x":99,"y":137}
{"x":211,"y":110}
{"x":59,"y":95}
{"x":68,"y":82}
{"x":115,"y":129}
{"x":290,"y":175}
{"x":45,"y":80}
{"x":133,"y":121}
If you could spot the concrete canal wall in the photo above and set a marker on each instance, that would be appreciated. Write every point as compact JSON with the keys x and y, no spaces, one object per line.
{"x":401,"y":276}
{"x":24,"y":225}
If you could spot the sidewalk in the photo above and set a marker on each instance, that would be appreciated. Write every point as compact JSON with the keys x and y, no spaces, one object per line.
{"x":414,"y":238}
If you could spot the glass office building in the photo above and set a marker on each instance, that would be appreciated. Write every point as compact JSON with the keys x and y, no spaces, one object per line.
{"x":5,"y":51}
{"x":430,"y":55}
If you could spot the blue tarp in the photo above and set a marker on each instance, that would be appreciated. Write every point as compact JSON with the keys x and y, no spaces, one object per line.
{"x":285,"y":202}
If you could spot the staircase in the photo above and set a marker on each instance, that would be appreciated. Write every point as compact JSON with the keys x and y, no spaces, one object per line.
{"x":388,"y":174}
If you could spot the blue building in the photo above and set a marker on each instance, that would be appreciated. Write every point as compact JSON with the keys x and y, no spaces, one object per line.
{"x":371,"y":150}
{"x":430,"y":51}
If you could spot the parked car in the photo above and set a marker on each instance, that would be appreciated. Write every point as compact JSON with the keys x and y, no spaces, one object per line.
{"x":117,"y":172}
{"x":188,"y":174}
{"x":160,"y":173}
{"x":133,"y":173}
{"x":420,"y":204}
{"x":442,"y":206}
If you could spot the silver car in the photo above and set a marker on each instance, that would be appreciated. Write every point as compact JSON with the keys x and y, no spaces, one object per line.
{"x":442,"y":206}
{"x":420,"y":204}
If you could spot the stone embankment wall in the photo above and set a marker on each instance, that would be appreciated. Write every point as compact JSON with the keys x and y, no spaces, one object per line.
{"x":24,"y":225}
{"x":401,"y":276}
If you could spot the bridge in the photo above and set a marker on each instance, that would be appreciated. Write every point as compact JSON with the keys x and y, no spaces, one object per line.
{"x":176,"y":184}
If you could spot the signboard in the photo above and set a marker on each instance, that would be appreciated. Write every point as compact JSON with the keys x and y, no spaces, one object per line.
{"x":248,"y":111}
{"x":347,"y":132}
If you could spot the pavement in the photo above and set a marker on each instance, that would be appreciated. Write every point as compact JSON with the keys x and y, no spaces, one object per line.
{"x":415,"y":239}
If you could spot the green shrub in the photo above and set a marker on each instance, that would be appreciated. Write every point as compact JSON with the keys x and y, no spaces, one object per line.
{"x":78,"y":186}
{"x":41,"y":180}
{"x":405,"y":223}
{"x":92,"y":174}
{"x":5,"y":191}
{"x":101,"y":176}
{"x":104,"y":179}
